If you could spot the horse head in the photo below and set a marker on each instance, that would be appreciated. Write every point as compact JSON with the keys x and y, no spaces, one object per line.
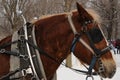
{"x":54,"y":35}
{"x":92,"y":43}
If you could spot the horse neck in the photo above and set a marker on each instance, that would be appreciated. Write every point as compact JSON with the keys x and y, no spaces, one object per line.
{"x":54,"y":36}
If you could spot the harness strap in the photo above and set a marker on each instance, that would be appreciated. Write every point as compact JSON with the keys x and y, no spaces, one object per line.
{"x":18,"y":70}
{"x":75,"y":32}
{"x":29,"y":52}
{"x":14,"y":56}
{"x":33,"y":54}
{"x":2,"y":51}
{"x":94,"y":59}
{"x":7,"y":44}
{"x":6,"y":77}
{"x":41,"y":51}
{"x":39,"y":61}
{"x":71,"y":23}
{"x":74,"y":43}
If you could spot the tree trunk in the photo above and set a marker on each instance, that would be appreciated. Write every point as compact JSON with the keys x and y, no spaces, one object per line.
{"x":67,"y":8}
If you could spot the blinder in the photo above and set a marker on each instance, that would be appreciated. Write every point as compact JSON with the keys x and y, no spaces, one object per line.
{"x":95,"y":35}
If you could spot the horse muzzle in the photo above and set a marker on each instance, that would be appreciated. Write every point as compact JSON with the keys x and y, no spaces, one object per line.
{"x":109,"y":70}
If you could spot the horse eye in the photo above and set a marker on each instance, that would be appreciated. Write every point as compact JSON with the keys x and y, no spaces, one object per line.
{"x":95,"y":35}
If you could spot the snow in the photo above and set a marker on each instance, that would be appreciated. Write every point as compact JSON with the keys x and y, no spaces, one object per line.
{"x":64,"y":73}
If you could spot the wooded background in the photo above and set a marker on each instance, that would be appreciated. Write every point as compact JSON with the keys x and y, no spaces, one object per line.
{"x":10,"y":19}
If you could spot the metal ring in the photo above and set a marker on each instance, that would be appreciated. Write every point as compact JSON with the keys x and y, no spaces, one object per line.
{"x":25,"y":57}
{"x":89,"y":76}
{"x":33,"y":78}
{"x":2,"y":51}
{"x":24,"y":73}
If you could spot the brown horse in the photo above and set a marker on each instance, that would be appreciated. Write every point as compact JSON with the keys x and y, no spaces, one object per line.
{"x":55,"y":35}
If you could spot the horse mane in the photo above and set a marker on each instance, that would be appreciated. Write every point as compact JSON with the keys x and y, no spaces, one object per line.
{"x":92,"y":12}
{"x":46,"y":16}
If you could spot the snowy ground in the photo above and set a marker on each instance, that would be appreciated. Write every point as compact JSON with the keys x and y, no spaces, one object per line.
{"x":67,"y":74}
{"x":64,"y":73}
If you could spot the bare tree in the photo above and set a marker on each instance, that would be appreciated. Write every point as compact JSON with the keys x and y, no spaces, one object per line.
{"x":67,"y":5}
{"x":108,"y":9}
{"x":10,"y":20}
{"x":10,"y":12}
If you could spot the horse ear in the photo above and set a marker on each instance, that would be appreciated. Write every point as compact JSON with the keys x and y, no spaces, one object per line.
{"x":83,"y":14}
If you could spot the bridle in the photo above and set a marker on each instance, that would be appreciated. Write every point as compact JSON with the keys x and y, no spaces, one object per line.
{"x":97,"y":53}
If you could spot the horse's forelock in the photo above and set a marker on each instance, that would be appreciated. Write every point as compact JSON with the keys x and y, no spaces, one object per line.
{"x":95,"y":15}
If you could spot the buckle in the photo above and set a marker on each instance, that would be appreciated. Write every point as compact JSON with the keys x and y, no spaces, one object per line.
{"x":26,"y":71}
{"x":25,"y":57}
{"x":2,"y":50}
